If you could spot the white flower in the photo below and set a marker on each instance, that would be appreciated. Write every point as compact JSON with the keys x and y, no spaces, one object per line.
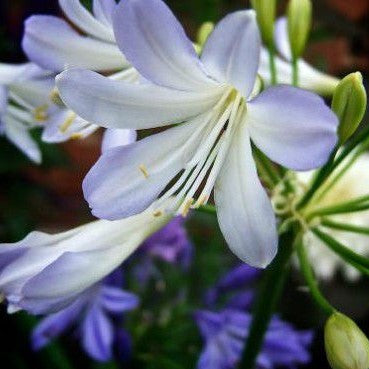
{"x":353,"y":184}
{"x":211,"y":98}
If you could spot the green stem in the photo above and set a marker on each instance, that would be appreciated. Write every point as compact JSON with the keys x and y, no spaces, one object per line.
{"x":268,"y":168}
{"x":310,"y":279}
{"x":268,"y":297}
{"x":272,"y":66}
{"x":295,"y":72}
{"x":347,"y":254}
{"x":345,"y":227}
{"x":359,"y":204}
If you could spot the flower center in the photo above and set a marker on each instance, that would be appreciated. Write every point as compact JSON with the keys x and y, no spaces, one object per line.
{"x":194,"y":186}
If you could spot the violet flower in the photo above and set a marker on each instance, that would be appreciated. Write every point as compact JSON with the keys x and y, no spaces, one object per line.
{"x":97,"y":314}
{"x":212,"y":97}
{"x":224,"y":334}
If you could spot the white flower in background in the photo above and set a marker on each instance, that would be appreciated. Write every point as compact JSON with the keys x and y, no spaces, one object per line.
{"x":24,"y":89}
{"x":211,"y":98}
{"x":53,"y":44}
{"x":309,"y":77}
{"x":45,"y":273}
{"x":353,"y":184}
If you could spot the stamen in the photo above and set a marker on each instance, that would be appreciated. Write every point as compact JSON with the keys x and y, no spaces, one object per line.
{"x":187,"y":207}
{"x":76,"y":136}
{"x":157,"y":213}
{"x":40,"y":113}
{"x":144,"y":171}
{"x":55,"y":97}
{"x":68,"y":122}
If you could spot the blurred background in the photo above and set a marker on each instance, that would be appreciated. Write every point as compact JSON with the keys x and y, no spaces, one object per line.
{"x":49,"y":197}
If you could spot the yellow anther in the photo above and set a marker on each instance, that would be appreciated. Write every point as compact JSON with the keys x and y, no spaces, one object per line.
{"x":55,"y":97}
{"x":68,"y":122}
{"x":76,"y":136}
{"x":187,"y":207}
{"x":144,"y":171}
{"x":157,"y":213}
{"x":202,"y":200}
{"x":40,"y":113}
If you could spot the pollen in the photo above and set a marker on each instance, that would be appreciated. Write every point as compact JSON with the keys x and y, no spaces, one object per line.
{"x":40,"y":113}
{"x":157,"y":213}
{"x":68,"y":122}
{"x":187,"y":207}
{"x":55,"y":97}
{"x":144,"y":170}
{"x":76,"y":136}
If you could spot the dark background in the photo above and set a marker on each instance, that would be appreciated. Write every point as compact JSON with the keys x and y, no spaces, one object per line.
{"x":49,"y":197}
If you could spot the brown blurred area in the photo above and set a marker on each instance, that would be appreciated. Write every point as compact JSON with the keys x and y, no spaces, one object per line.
{"x":339,"y":45}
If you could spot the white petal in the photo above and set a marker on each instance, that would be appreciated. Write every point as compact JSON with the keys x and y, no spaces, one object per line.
{"x":3,"y":100}
{"x":293,"y":127}
{"x":103,"y":11}
{"x":117,"y":104}
{"x":117,"y":137}
{"x":53,"y":44}
{"x":10,"y":72}
{"x":245,"y":213}
{"x":232,"y":51}
{"x":20,"y":136}
{"x":126,"y":180}
{"x":155,"y":43}
{"x":84,"y":20}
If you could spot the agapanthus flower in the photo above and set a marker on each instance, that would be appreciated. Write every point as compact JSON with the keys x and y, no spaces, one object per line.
{"x":353,"y":184}
{"x":96,"y":315}
{"x":24,"y":88}
{"x":224,"y":334}
{"x":309,"y":77}
{"x":211,"y":97}
{"x":53,"y":44}
{"x":45,"y":273}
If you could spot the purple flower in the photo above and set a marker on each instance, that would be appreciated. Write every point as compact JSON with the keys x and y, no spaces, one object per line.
{"x":170,"y":244}
{"x":213,"y":99}
{"x":225,"y":332}
{"x":94,"y":313}
{"x":239,"y":277}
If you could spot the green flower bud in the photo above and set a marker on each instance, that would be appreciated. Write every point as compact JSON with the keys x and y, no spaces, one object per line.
{"x":204,"y":32}
{"x":265,"y":13}
{"x":346,"y":345}
{"x":349,"y":103}
{"x":299,"y":15}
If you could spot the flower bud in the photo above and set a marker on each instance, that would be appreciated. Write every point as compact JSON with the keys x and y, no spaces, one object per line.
{"x":346,"y":345}
{"x":204,"y":32}
{"x":299,"y":24}
{"x":265,"y":13}
{"x":349,"y":103}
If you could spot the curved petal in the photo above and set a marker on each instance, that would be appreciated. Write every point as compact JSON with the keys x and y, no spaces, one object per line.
{"x":155,"y":43}
{"x":126,"y":180}
{"x":116,"y":300}
{"x":20,"y":136}
{"x":117,"y":104}
{"x":117,"y":137}
{"x":232,"y":52}
{"x":293,"y":127}
{"x":98,"y":335}
{"x":54,"y":325}
{"x":281,"y":39}
{"x":103,"y":11}
{"x":53,"y":44}
{"x":245,"y":213}
{"x":10,"y":72}
{"x":84,"y":20}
